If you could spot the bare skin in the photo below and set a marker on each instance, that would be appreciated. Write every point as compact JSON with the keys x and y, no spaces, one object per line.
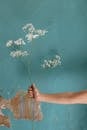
{"x":59,"y":98}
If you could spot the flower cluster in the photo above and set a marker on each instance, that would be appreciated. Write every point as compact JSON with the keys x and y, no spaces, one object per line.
{"x":18,"y":42}
{"x":18,"y":53}
{"x":28,"y":28}
{"x":9,"y":43}
{"x":32,"y":33}
{"x":52,"y":63}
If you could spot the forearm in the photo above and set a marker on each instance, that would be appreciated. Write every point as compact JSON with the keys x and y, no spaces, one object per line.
{"x":66,"y":98}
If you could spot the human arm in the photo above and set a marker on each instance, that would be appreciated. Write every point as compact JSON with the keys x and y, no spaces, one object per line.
{"x":60,"y":98}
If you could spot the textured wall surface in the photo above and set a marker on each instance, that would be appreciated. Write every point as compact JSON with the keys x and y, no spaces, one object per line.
{"x":66,"y":22}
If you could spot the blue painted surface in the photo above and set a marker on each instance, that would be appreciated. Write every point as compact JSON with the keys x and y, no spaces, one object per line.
{"x":66,"y":22}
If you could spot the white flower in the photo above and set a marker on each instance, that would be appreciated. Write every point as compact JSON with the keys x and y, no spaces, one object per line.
{"x":31,"y":28}
{"x":49,"y":61}
{"x":18,"y":53}
{"x":57,"y":57}
{"x":48,"y":65}
{"x":33,"y":33}
{"x":43,"y":66}
{"x":28,"y":28}
{"x":41,"y":32}
{"x":52,"y":63}
{"x":35,"y":36}
{"x":55,"y":61}
{"x":25,"y":53}
{"x":45,"y":61}
{"x":29,"y":37}
{"x":9,"y":43}
{"x":20,"y":41}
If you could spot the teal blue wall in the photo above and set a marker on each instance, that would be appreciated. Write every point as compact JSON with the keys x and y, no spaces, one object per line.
{"x":66,"y":22}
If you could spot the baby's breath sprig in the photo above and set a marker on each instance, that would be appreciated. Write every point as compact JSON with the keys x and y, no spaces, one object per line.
{"x":32,"y":33}
{"x":51,"y":63}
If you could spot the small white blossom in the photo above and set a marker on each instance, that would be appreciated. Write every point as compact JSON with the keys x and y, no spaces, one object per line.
{"x":35,"y":36}
{"x":49,"y":61}
{"x":45,"y":61}
{"x":52,"y":63}
{"x":48,"y":65}
{"x":43,"y":66}
{"x":41,"y":32}
{"x":57,"y":56}
{"x":30,"y":36}
{"x":18,"y":53}
{"x":20,"y":41}
{"x":29,"y":28}
{"x":9,"y":43}
{"x":33,"y":33}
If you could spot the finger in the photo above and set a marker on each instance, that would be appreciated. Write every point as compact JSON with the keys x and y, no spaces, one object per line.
{"x":30,"y":94}
{"x":36,"y":90}
{"x":33,"y":84}
{"x":29,"y":89}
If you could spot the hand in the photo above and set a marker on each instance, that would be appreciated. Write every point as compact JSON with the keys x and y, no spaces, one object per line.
{"x":34,"y":93}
